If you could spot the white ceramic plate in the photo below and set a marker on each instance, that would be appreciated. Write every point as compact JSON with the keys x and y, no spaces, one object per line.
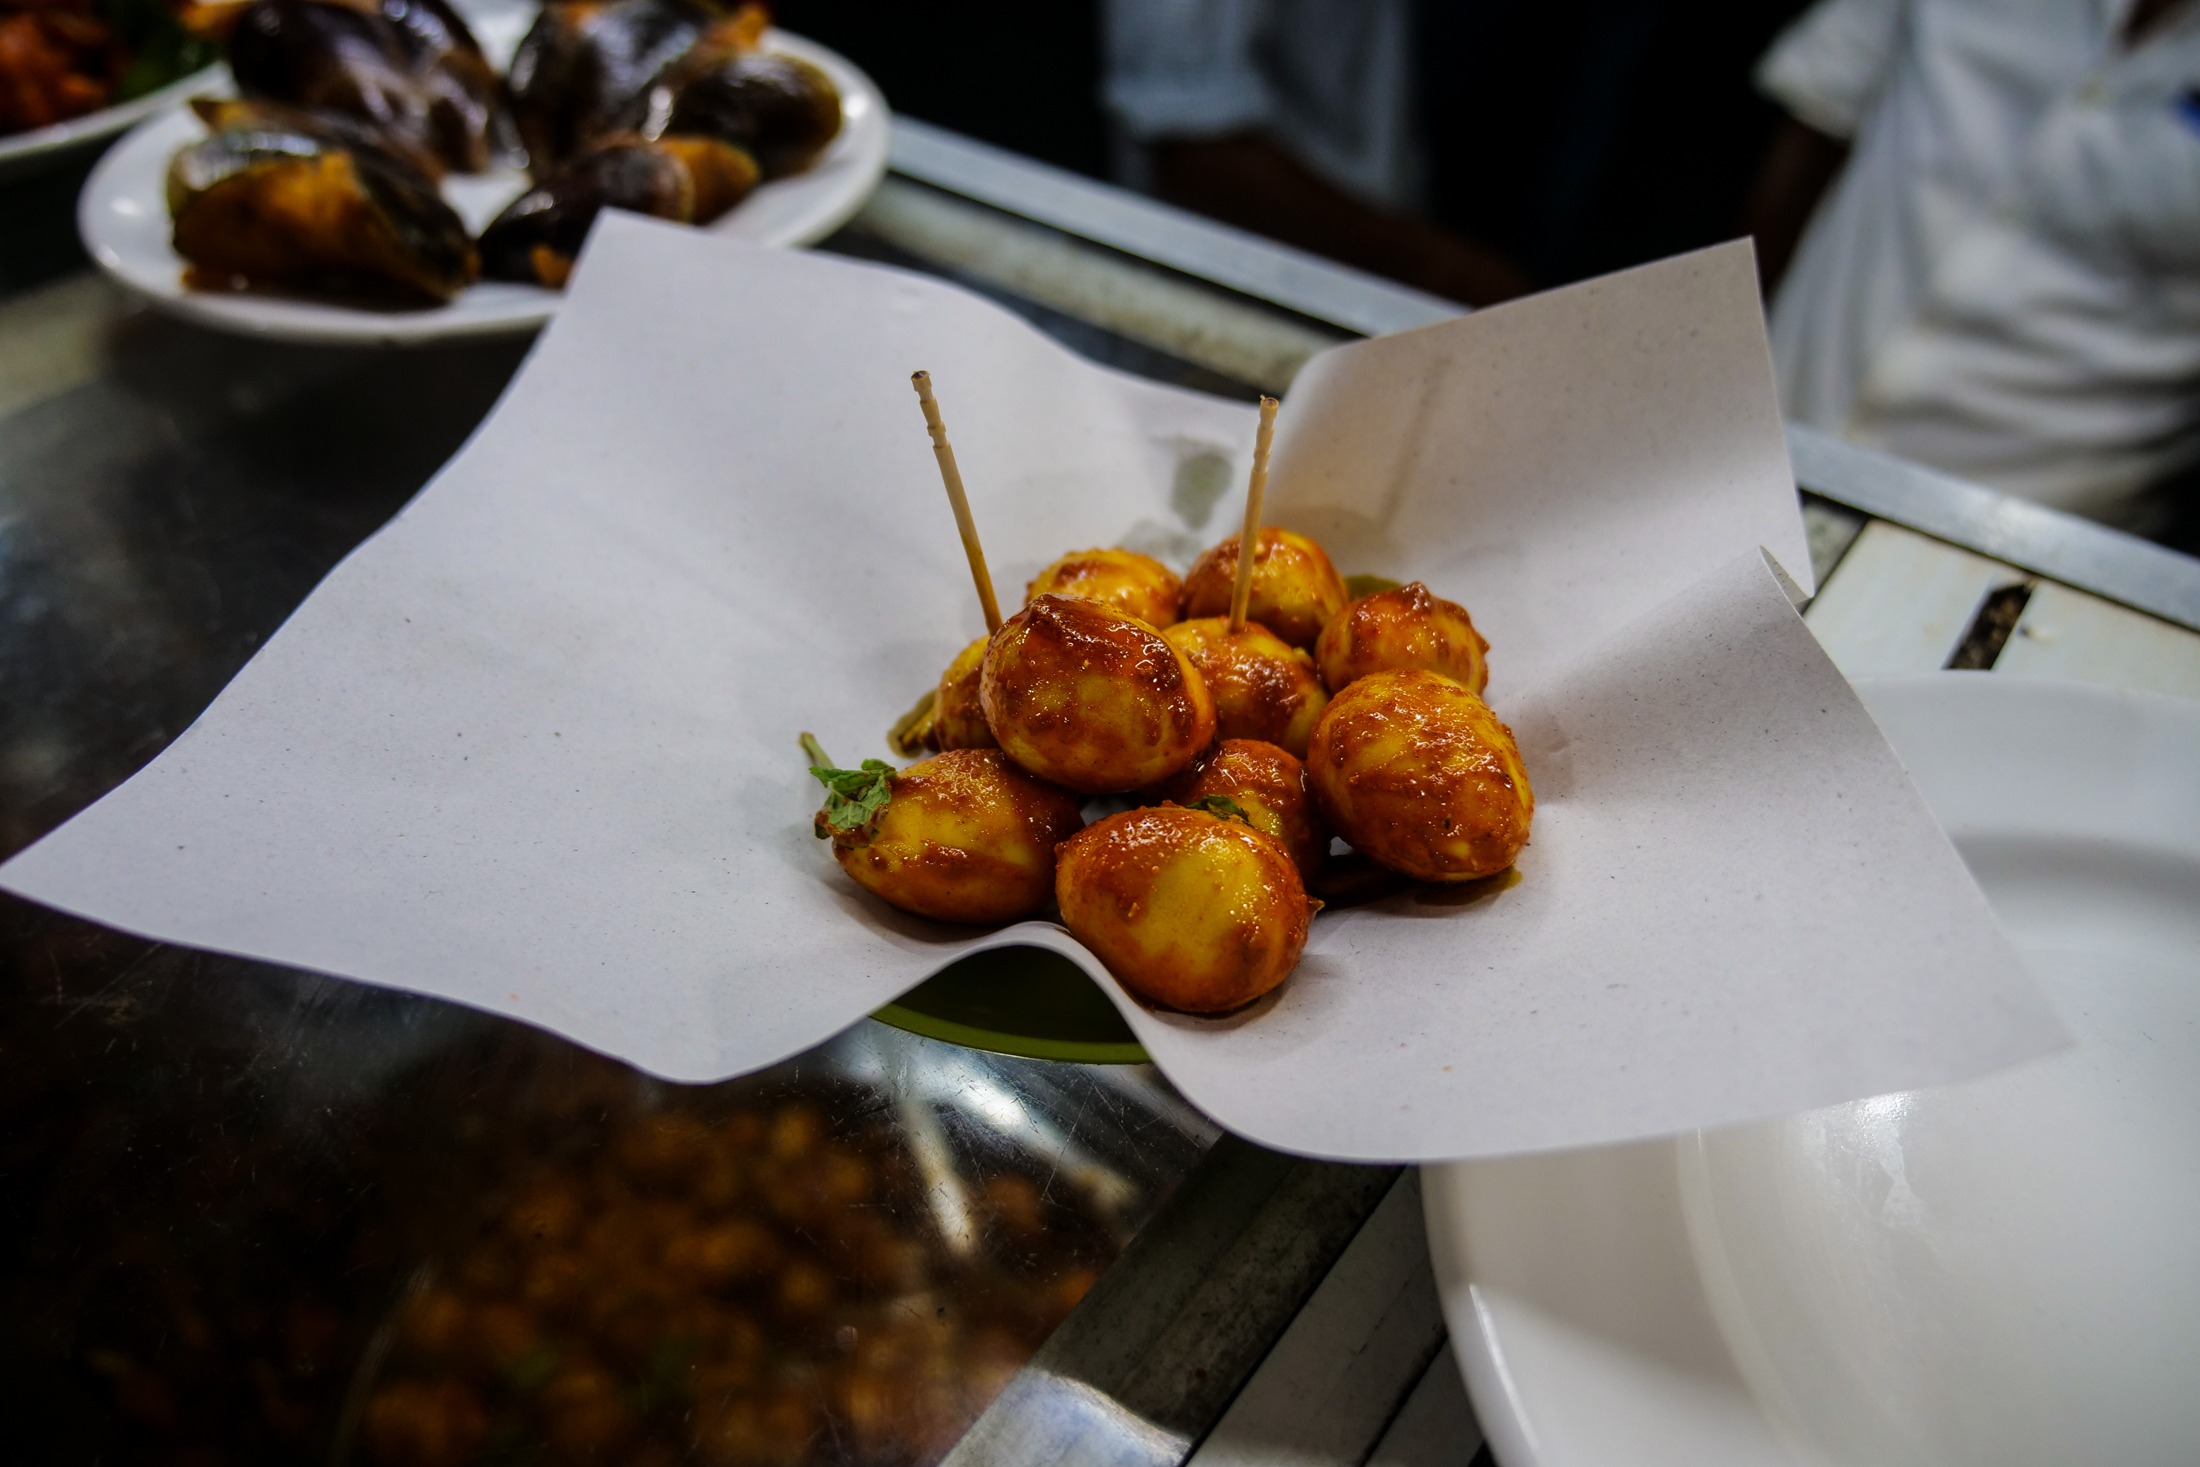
{"x":2005,"y":1271}
{"x":123,"y":215}
{"x":26,"y":152}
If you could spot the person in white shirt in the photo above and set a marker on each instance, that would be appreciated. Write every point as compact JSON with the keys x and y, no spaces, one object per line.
{"x":2004,"y":277}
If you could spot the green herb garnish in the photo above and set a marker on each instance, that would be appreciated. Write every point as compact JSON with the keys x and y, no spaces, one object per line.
{"x":853,"y":797}
{"x":1222,"y":807}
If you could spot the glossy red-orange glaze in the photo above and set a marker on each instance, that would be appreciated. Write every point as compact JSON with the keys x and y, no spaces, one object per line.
{"x":1295,"y":588}
{"x":958,"y":720}
{"x":1270,"y":786}
{"x":1135,"y":584}
{"x":1409,"y":626}
{"x":1263,"y":687}
{"x":1187,"y":910}
{"x":1092,"y":698}
{"x":1416,"y":771}
{"x":966,"y":837}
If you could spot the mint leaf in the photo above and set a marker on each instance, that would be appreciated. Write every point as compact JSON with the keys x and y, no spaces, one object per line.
{"x":853,"y":797}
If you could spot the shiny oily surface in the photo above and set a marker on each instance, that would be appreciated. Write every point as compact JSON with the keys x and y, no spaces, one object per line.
{"x":958,"y":719}
{"x":1264,"y":688}
{"x":1137,"y":585}
{"x":410,"y":69}
{"x":1296,"y":590}
{"x":1409,"y":626}
{"x":966,"y":837}
{"x":1270,"y":786}
{"x":277,"y":198}
{"x":1187,"y":910}
{"x":1417,"y":772}
{"x":1090,"y":698}
{"x":779,"y":108}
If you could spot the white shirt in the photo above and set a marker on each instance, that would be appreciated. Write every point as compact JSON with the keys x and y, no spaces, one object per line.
{"x":2005,"y":280}
{"x":1329,"y":82}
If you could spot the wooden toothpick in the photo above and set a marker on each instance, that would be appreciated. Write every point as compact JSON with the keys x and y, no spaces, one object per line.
{"x":1241,"y":594}
{"x":953,"y":479}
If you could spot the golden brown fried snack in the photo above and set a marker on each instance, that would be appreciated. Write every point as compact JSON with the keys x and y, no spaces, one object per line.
{"x":1263,"y":687}
{"x":1124,"y":579}
{"x":1416,"y":771}
{"x":1186,"y":909}
{"x":964,"y":837}
{"x":1270,"y":786}
{"x":958,"y":722}
{"x":1092,"y":698}
{"x":1295,"y":588}
{"x":1410,"y":626}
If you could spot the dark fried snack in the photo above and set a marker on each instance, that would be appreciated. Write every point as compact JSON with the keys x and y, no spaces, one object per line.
{"x":408,"y":69}
{"x":1187,"y":909}
{"x":958,"y":719}
{"x":689,"y":180}
{"x":1295,"y":588}
{"x":1415,"y":770}
{"x":1268,"y":787}
{"x":1088,"y":697}
{"x":1132,"y":583}
{"x":1410,"y":626}
{"x":583,"y":71}
{"x":963,"y":837}
{"x":778,"y":107}
{"x":1263,"y":687}
{"x":281,"y":198}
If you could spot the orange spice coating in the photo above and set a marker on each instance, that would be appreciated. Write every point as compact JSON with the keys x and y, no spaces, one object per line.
{"x":958,"y":720}
{"x":1263,"y":687}
{"x":1092,"y":698}
{"x":967,"y":837}
{"x":1187,"y":910}
{"x":1271,"y":788}
{"x":1415,"y":770}
{"x":1136,"y":584}
{"x":1295,"y":588}
{"x":1409,"y":626}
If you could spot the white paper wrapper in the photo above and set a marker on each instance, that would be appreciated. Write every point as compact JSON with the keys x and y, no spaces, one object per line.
{"x":532,"y":747}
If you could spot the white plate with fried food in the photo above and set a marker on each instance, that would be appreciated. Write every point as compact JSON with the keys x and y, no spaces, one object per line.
{"x":125,"y":220}
{"x":2004,"y":1271}
{"x":23,"y":153}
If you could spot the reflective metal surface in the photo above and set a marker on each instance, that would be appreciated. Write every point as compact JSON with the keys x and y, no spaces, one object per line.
{"x":256,"y":1215}
{"x":2141,"y":575}
{"x":1363,"y":304}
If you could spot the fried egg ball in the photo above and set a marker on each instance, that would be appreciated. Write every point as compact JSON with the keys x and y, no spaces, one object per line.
{"x":1270,"y":786}
{"x":1415,"y":770}
{"x":1295,"y":588}
{"x":1092,"y":698}
{"x":958,"y":722}
{"x":1188,"y":910}
{"x":1409,"y":626}
{"x":1263,"y":687}
{"x":1124,"y":579}
{"x":966,"y":836}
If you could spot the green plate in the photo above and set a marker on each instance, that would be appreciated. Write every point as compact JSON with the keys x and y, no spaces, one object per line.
{"x":1023,"y":1001}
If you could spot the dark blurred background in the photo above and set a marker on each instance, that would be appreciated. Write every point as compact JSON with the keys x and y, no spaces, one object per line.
{"x":1560,"y":141}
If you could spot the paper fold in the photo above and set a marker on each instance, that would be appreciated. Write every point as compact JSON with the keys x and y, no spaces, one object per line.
{"x":531,"y":747}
